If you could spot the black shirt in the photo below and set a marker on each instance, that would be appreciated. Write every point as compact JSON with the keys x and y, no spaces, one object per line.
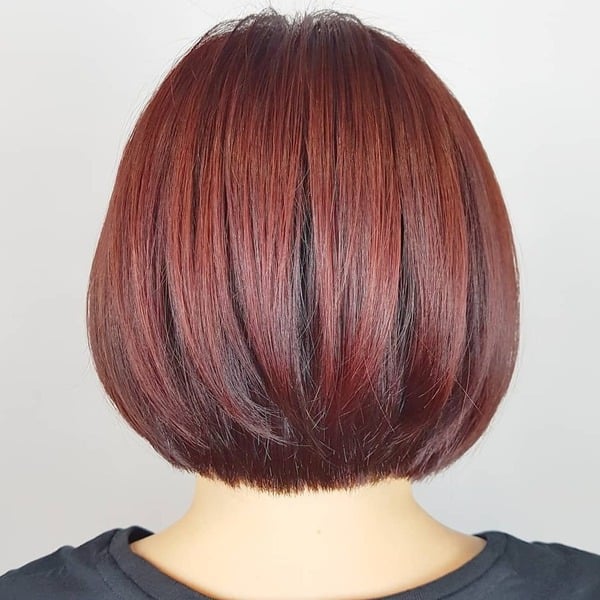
{"x":508,"y":568}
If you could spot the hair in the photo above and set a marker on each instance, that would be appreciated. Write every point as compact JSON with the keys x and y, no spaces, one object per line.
{"x":306,"y":277}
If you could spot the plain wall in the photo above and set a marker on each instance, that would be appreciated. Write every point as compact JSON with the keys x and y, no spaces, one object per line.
{"x":74,"y":76}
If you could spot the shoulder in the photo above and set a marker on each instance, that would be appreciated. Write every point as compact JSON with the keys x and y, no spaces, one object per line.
{"x":552,"y":569}
{"x":69,"y":571}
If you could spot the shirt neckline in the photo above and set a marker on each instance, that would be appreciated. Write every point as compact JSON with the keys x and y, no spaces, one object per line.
{"x":156,"y":584}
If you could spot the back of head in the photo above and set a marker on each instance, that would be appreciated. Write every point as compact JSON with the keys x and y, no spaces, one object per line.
{"x":306,"y":277}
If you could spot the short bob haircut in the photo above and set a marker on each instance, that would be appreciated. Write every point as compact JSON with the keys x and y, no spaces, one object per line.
{"x":306,"y":279}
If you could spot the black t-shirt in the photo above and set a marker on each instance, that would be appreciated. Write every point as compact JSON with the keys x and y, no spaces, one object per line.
{"x":508,"y":568}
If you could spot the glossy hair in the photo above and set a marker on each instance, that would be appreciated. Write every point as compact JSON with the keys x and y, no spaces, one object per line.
{"x":306,"y":278}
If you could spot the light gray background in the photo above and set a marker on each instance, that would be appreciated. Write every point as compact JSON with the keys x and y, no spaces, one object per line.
{"x":74,"y":76}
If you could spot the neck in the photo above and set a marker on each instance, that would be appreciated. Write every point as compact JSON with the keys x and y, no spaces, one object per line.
{"x":371,"y":541}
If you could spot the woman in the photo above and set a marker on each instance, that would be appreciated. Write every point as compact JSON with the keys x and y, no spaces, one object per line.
{"x":305,"y":293}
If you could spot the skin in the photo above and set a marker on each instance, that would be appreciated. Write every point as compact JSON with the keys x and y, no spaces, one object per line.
{"x":244,"y":544}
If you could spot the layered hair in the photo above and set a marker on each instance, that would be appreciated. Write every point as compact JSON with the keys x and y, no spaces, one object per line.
{"x":306,"y":278}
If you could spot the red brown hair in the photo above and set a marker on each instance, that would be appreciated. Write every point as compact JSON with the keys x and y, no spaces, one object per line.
{"x":306,"y":277}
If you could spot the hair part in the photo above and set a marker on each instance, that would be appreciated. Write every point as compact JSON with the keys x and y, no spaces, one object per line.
{"x":306,"y":277}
